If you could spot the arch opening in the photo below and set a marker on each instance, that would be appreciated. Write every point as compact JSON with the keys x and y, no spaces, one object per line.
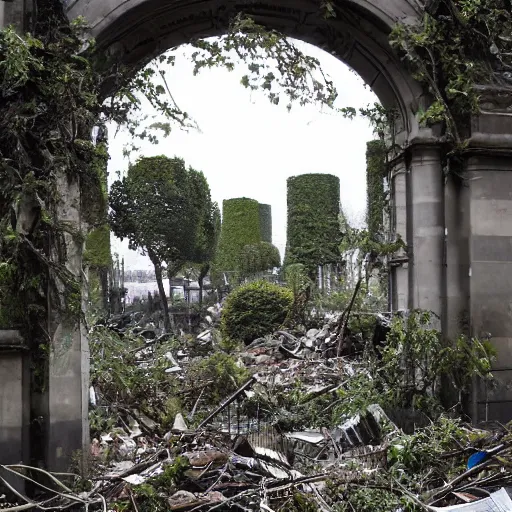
{"x":133,"y":32}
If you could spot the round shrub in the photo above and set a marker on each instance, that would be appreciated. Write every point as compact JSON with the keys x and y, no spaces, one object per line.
{"x":254,"y":310}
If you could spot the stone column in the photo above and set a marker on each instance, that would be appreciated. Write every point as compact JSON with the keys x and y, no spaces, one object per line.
{"x":399,"y":263}
{"x":490,"y":251}
{"x":67,"y":422}
{"x":489,"y":184}
{"x":12,"y":12}
{"x":14,"y":404}
{"x":425,"y":228}
{"x":456,"y":282}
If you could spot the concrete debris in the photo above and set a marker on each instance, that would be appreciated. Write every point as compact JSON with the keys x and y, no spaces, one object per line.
{"x":257,"y":439}
{"x":179,"y":423}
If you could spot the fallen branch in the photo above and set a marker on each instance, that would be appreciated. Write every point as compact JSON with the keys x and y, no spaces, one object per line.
{"x":226,"y":402}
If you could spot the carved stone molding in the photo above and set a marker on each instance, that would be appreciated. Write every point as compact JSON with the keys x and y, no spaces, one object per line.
{"x":495,"y":99}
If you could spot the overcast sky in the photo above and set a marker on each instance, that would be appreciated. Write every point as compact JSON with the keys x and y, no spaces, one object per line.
{"x":247,"y":147}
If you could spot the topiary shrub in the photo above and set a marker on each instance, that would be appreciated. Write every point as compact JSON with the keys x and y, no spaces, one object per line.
{"x":255,"y":310}
{"x":240,"y":227}
{"x":313,"y":232}
{"x":375,"y":169}
{"x":266,"y":222}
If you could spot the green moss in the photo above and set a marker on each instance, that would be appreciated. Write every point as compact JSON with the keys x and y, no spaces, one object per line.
{"x":375,"y":169}
{"x":313,"y":233}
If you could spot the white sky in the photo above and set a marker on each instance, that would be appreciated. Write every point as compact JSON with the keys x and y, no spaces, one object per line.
{"x":248,"y":147}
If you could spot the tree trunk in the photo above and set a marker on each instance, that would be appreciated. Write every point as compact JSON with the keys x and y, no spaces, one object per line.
{"x":161,"y":290}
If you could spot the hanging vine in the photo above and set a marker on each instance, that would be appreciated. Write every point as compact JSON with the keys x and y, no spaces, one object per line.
{"x":457,"y":45}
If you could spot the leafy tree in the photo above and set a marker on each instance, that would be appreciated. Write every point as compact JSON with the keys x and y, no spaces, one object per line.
{"x":259,"y":257}
{"x":158,"y":207}
{"x":208,"y":230}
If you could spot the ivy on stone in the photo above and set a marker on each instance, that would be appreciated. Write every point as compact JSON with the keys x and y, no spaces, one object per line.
{"x":313,"y":232}
{"x":375,"y":171}
{"x":240,"y":227}
{"x":457,"y":46}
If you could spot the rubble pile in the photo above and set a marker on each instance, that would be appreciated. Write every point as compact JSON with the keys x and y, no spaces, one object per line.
{"x":179,"y":424}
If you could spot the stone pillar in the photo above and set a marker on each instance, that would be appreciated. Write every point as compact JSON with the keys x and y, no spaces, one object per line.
{"x":14,"y":404}
{"x":490,"y":250}
{"x":67,"y":421}
{"x":489,"y":184}
{"x":399,"y":263}
{"x":12,"y":12}
{"x":456,"y":282}
{"x":425,"y":228}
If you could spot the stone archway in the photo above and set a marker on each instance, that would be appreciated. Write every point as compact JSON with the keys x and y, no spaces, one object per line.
{"x":135,"y":31}
{"x":459,"y":238}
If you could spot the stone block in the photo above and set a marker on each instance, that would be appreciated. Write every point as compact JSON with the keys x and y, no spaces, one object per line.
{"x":14,"y":404}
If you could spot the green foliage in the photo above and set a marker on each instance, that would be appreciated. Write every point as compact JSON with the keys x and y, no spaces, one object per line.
{"x":410,"y":454}
{"x":413,"y":364}
{"x":255,"y":310}
{"x":416,"y":464}
{"x":299,"y":503}
{"x":266,"y":222}
{"x":375,"y":168}
{"x":156,"y":207}
{"x":296,"y":278}
{"x":222,"y":373}
{"x":97,"y":248}
{"x":299,"y":282}
{"x":259,"y":257}
{"x":240,"y":227}
{"x":367,"y":499}
{"x":313,"y":234}
{"x":149,"y":499}
{"x":415,"y":358}
{"x":460,"y":44}
{"x":165,"y":209}
{"x":274,"y":64}
{"x":207,"y":233}
{"x":360,"y":391}
{"x":115,"y":371}
{"x":173,"y":474}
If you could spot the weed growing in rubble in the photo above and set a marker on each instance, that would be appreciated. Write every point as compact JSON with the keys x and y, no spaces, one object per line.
{"x":417,"y":462}
{"x":409,"y":455}
{"x":218,"y":375}
{"x":125,"y":371}
{"x":173,"y":474}
{"x":407,"y":373}
{"x":415,"y":359}
{"x":299,"y":503}
{"x":361,"y":498}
